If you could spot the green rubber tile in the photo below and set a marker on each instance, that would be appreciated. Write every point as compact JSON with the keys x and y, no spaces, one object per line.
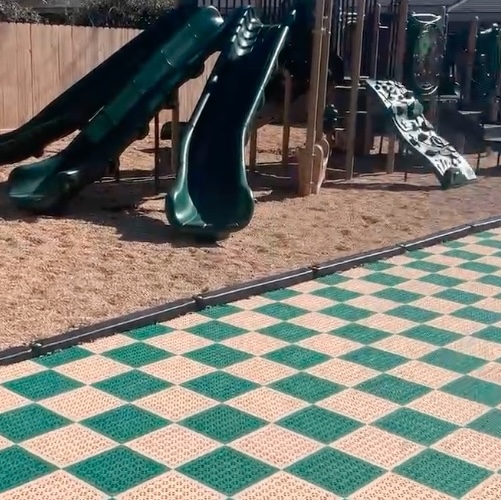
{"x":336,"y":294}
{"x":375,"y":358}
{"x":347,"y":312}
{"x":453,"y":360}
{"x":283,"y":312}
{"x":148,"y":332}
{"x":320,"y":424}
{"x":223,"y":423}
{"x":431,"y":335}
{"x":125,"y":423}
{"x":491,"y":243}
{"x":397,"y":295}
{"x":18,"y":467}
{"x":489,"y":423}
{"x":117,"y":470}
{"x":332,"y":279}
{"x":378,"y":266}
{"x":42,"y":385}
{"x":297,"y":357}
{"x":476,"y":390}
{"x":427,"y":267}
{"x":307,"y":387}
{"x":455,"y":244}
{"x":486,"y":235}
{"x":412,"y":313}
{"x":458,"y":253}
{"x":28,"y":422}
{"x":218,"y":356}
{"x":492,"y":280}
{"x":216,"y":331}
{"x":335,"y":471}
{"x":441,"y":472}
{"x":419,"y":254}
{"x":217,"y":312}
{"x":63,"y":357}
{"x":138,"y":354}
{"x":132,"y":385}
{"x":288,"y":332}
{"x":441,"y":280}
{"x":220,"y":386}
{"x":479,"y":315}
{"x":227,"y":470}
{"x":491,"y":333}
{"x":282,"y":294}
{"x":393,"y":388}
{"x":415,"y":426}
{"x":479,"y":267}
{"x":459,"y":296}
{"x":384,"y":279}
{"x":360,"y":333}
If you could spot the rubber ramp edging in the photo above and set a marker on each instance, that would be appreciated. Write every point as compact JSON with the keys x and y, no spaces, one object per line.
{"x":171,"y":310}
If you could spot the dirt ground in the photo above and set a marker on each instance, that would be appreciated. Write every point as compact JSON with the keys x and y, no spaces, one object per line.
{"x":113,"y":253}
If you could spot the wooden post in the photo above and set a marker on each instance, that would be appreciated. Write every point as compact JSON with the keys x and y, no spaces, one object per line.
{"x":355,"y":82}
{"x":494,"y":108}
{"x":253,"y":149}
{"x":398,"y":74}
{"x":470,"y":59}
{"x":175,"y":133}
{"x":307,"y":155}
{"x":368,"y":137}
{"x":324,"y":68}
{"x":286,"y":119}
{"x":375,"y":42}
{"x":157,"y":159}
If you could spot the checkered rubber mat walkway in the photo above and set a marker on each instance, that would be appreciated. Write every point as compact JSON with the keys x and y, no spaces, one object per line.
{"x":383,"y":382}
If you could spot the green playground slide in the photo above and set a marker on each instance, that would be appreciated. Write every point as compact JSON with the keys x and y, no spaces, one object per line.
{"x":211,"y":197}
{"x":47,"y":186}
{"x":77,"y":105}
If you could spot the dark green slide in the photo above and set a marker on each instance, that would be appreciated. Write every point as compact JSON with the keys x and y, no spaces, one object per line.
{"x":211,"y":196}
{"x":46,"y":186}
{"x":77,"y":105}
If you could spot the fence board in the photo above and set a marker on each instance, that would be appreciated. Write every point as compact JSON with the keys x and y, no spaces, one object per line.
{"x":49,"y":59}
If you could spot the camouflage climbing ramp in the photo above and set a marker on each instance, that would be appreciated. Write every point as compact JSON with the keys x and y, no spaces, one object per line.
{"x":419,"y":135}
{"x":380,"y":383}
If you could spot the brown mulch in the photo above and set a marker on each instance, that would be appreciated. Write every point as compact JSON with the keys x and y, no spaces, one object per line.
{"x":113,"y":252}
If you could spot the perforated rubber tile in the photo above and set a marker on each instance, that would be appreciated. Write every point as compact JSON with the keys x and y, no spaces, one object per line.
{"x":379,"y":383}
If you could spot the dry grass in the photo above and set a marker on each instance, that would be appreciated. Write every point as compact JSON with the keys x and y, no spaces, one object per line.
{"x":113,"y":252}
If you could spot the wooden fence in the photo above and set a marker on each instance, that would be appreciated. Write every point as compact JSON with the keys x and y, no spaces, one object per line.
{"x":39,"y":62}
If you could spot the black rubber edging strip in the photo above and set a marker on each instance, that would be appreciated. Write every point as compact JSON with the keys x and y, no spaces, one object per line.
{"x":106,"y":328}
{"x":436,"y":238}
{"x":178,"y":308}
{"x":254,"y":287}
{"x":345,"y":263}
{"x":486,"y":224}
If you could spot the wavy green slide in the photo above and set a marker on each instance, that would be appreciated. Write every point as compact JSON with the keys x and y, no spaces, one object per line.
{"x":47,"y":186}
{"x":211,"y":197}
{"x":76,"y":106}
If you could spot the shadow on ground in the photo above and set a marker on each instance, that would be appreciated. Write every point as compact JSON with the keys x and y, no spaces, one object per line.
{"x":124,"y":205}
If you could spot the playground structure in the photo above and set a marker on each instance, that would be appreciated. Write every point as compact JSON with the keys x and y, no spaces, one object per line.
{"x":377,"y":50}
